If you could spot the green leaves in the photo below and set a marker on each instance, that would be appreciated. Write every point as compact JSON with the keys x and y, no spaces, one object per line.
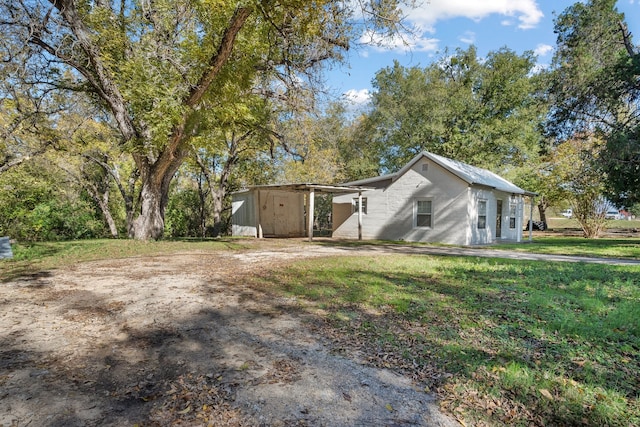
{"x":595,"y":89}
{"x":475,"y":111}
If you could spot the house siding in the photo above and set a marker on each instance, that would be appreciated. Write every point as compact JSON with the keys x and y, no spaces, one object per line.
{"x":489,"y":234}
{"x":482,"y":236}
{"x":454,"y":203}
{"x":449,"y":193}
{"x":390,"y":210}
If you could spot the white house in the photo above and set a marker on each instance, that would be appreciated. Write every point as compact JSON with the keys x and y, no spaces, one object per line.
{"x":432,"y":199}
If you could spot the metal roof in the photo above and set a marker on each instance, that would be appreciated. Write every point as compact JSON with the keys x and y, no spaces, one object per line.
{"x":472,"y":175}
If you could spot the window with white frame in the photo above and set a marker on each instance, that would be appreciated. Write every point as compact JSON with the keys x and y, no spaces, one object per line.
{"x":482,"y":214}
{"x":512,"y":215}
{"x":364,"y":205}
{"x":423,"y":213}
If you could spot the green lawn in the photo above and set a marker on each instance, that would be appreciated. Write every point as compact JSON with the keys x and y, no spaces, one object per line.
{"x":30,"y":258}
{"x":561,"y":245}
{"x":564,"y":223}
{"x":502,"y":342}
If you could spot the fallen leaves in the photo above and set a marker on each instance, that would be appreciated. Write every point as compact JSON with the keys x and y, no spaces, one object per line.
{"x":195,"y":401}
{"x":283,"y":371}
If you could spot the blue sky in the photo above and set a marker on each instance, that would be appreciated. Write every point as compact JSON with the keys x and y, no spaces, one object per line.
{"x":488,"y":24}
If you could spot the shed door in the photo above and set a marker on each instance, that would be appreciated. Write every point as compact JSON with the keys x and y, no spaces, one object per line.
{"x":280,"y":216}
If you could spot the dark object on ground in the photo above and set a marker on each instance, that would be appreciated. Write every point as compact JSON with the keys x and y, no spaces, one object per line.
{"x":537,"y":225}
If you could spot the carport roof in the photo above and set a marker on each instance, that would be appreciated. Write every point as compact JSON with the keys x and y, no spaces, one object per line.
{"x":306,"y":187}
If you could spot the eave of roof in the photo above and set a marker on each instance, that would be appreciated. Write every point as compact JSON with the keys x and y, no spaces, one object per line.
{"x":366,"y":181}
{"x":306,"y":187}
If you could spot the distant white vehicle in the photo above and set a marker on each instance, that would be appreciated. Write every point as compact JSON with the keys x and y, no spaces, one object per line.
{"x":613,"y":214}
{"x":567,"y":213}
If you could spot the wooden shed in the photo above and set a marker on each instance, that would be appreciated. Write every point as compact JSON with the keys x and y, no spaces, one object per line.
{"x":280,"y":210}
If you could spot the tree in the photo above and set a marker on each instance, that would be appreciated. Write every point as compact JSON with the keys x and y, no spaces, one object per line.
{"x":574,"y":173}
{"x":39,"y":202}
{"x":25,"y":130}
{"x":480,"y":112}
{"x":595,"y":90}
{"x":316,"y":147}
{"x":537,"y":176}
{"x":315,"y":142}
{"x":158,"y":68}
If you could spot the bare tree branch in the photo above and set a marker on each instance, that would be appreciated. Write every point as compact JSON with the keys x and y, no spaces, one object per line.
{"x":626,"y":39}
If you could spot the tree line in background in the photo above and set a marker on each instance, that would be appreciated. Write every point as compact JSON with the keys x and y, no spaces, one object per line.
{"x":139,"y":119}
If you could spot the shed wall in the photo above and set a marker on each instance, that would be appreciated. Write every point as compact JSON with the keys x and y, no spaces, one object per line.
{"x":243,"y":217}
{"x":281,"y":213}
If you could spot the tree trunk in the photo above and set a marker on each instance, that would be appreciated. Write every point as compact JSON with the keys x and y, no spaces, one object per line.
{"x":542,"y":209}
{"x":218,"y":207}
{"x":202,"y":209}
{"x":128,"y":196}
{"x":154,"y":196}
{"x":113,"y":229}
{"x":150,"y":222}
{"x":219,"y":192}
{"x":102,"y":200}
{"x":103,"y":204}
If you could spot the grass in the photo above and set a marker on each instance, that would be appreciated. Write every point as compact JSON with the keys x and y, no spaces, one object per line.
{"x":503,"y":342}
{"x":546,"y":244}
{"x":34,"y":258}
{"x":578,"y":246}
{"x":611,"y":225}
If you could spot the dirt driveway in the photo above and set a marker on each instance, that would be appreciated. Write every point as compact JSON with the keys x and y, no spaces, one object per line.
{"x":182,"y":340}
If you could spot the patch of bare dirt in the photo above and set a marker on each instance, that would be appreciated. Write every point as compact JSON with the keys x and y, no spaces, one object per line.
{"x":181,"y":340}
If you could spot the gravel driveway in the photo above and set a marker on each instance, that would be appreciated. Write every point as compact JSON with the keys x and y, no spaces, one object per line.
{"x":180,"y":340}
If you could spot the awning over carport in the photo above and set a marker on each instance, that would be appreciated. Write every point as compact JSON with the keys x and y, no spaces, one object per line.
{"x":312,"y":189}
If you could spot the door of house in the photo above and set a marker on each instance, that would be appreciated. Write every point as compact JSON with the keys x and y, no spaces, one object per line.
{"x":498,"y":219}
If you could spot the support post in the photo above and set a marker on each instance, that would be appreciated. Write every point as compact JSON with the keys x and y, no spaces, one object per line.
{"x":359,"y":215}
{"x":531,"y":219}
{"x":519,"y":201}
{"x":258,"y":210}
{"x":310,"y":209}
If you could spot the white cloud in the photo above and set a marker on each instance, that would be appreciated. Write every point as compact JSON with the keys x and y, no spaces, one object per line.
{"x":543,"y":49}
{"x":539,"y":68}
{"x":399,"y":42}
{"x":357,"y":97}
{"x":469,"y":37}
{"x":525,"y":12}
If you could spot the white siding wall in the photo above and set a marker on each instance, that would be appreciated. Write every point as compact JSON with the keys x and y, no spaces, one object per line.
{"x":488,"y":235}
{"x":509,"y":233}
{"x":482,"y":236}
{"x":243,"y":217}
{"x":277,"y":213}
{"x":390,"y":211}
